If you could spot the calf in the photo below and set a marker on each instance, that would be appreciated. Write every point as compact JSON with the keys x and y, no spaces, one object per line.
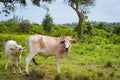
{"x":48,"y":46}
{"x":13,"y":51}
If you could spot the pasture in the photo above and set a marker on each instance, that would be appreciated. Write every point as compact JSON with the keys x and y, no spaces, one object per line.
{"x":85,"y":62}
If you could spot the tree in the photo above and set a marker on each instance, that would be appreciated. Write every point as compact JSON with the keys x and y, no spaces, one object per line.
{"x":81,"y":8}
{"x":24,"y":27}
{"x":117,"y":30}
{"x":47,"y":22}
{"x":9,"y":5}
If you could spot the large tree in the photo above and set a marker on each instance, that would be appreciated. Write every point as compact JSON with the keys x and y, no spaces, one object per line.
{"x":80,"y":7}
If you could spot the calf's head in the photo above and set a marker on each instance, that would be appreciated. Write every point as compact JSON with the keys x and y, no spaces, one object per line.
{"x":18,"y":48}
{"x":67,"y":41}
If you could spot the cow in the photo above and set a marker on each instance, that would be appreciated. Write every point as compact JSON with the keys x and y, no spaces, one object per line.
{"x":48,"y":46}
{"x":13,"y":51}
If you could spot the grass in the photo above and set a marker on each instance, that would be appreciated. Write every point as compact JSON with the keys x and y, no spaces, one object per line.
{"x":85,"y":62}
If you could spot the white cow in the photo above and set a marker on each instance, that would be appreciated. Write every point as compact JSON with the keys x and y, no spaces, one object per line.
{"x":13,"y":50}
{"x":48,"y":46}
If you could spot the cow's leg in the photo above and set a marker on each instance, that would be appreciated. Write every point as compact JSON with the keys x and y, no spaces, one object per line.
{"x":34,"y":62}
{"x":13,"y":65}
{"x":58,"y":64}
{"x":29,"y":57}
{"x":7,"y":56}
{"x":18,"y":64}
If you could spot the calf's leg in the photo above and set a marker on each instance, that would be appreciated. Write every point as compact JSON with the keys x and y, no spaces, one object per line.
{"x":18,"y":64}
{"x":6,"y":61}
{"x":13,"y":66}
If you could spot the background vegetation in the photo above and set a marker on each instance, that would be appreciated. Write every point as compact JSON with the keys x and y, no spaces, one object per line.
{"x":95,"y":57}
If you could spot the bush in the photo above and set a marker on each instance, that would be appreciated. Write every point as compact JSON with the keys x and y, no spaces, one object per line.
{"x":58,"y":31}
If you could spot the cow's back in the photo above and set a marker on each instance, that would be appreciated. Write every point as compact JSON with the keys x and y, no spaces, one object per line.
{"x":40,"y":43}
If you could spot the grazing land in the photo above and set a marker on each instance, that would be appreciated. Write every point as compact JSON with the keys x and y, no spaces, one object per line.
{"x":85,"y":62}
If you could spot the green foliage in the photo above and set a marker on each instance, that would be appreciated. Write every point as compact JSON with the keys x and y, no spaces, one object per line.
{"x":85,"y":62}
{"x":37,"y":29}
{"x":115,"y":39}
{"x":24,"y":27}
{"x":65,"y":31}
{"x":47,"y":22}
{"x":117,"y":30}
{"x":92,"y":33}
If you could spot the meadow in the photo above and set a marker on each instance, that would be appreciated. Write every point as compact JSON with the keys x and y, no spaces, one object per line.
{"x":86,"y":61}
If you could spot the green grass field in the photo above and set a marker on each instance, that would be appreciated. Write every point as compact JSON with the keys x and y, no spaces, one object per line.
{"x":85,"y":62}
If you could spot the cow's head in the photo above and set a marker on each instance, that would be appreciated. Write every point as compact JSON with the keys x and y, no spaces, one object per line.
{"x":67,"y":41}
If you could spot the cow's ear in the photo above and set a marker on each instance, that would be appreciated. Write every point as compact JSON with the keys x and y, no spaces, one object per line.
{"x":12,"y":49}
{"x":62,"y":42}
{"x":74,"y":42}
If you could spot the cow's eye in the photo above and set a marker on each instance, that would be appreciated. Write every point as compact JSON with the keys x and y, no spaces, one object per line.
{"x":62,"y":42}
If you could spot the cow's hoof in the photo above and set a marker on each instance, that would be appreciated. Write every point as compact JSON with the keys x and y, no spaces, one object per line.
{"x":27,"y":75}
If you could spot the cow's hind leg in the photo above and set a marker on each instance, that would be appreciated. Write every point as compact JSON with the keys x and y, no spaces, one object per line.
{"x":29,"y":57}
{"x":34,"y":62}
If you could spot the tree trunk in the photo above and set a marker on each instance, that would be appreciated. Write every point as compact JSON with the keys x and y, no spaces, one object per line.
{"x":75,"y":6}
{"x":79,"y":27}
{"x":80,"y":35}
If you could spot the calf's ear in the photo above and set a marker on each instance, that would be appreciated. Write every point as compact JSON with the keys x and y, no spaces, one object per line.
{"x":12,"y":49}
{"x":24,"y":49}
{"x":74,"y":42}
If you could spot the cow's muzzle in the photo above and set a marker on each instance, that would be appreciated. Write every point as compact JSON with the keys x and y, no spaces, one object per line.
{"x":66,"y":49}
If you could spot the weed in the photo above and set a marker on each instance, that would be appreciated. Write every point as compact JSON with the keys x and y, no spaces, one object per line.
{"x":37,"y":74}
{"x":81,"y":77}
{"x":58,"y":77}
{"x":108,"y":65}
{"x":100,"y":74}
{"x":112,"y":74}
{"x":68,"y":75}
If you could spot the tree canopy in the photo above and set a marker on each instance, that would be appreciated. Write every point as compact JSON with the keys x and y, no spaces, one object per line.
{"x":80,"y":7}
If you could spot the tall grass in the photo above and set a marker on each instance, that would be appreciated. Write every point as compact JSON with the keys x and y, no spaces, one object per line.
{"x":85,"y":62}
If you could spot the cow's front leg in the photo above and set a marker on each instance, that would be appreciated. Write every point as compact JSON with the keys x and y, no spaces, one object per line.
{"x":58,"y":64}
{"x":13,"y":66}
{"x":29,"y":57}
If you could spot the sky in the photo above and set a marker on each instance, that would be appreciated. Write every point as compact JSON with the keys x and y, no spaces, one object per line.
{"x":104,"y":10}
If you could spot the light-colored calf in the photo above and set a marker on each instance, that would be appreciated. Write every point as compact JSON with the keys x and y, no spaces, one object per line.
{"x":48,"y":46}
{"x":13,"y":51}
